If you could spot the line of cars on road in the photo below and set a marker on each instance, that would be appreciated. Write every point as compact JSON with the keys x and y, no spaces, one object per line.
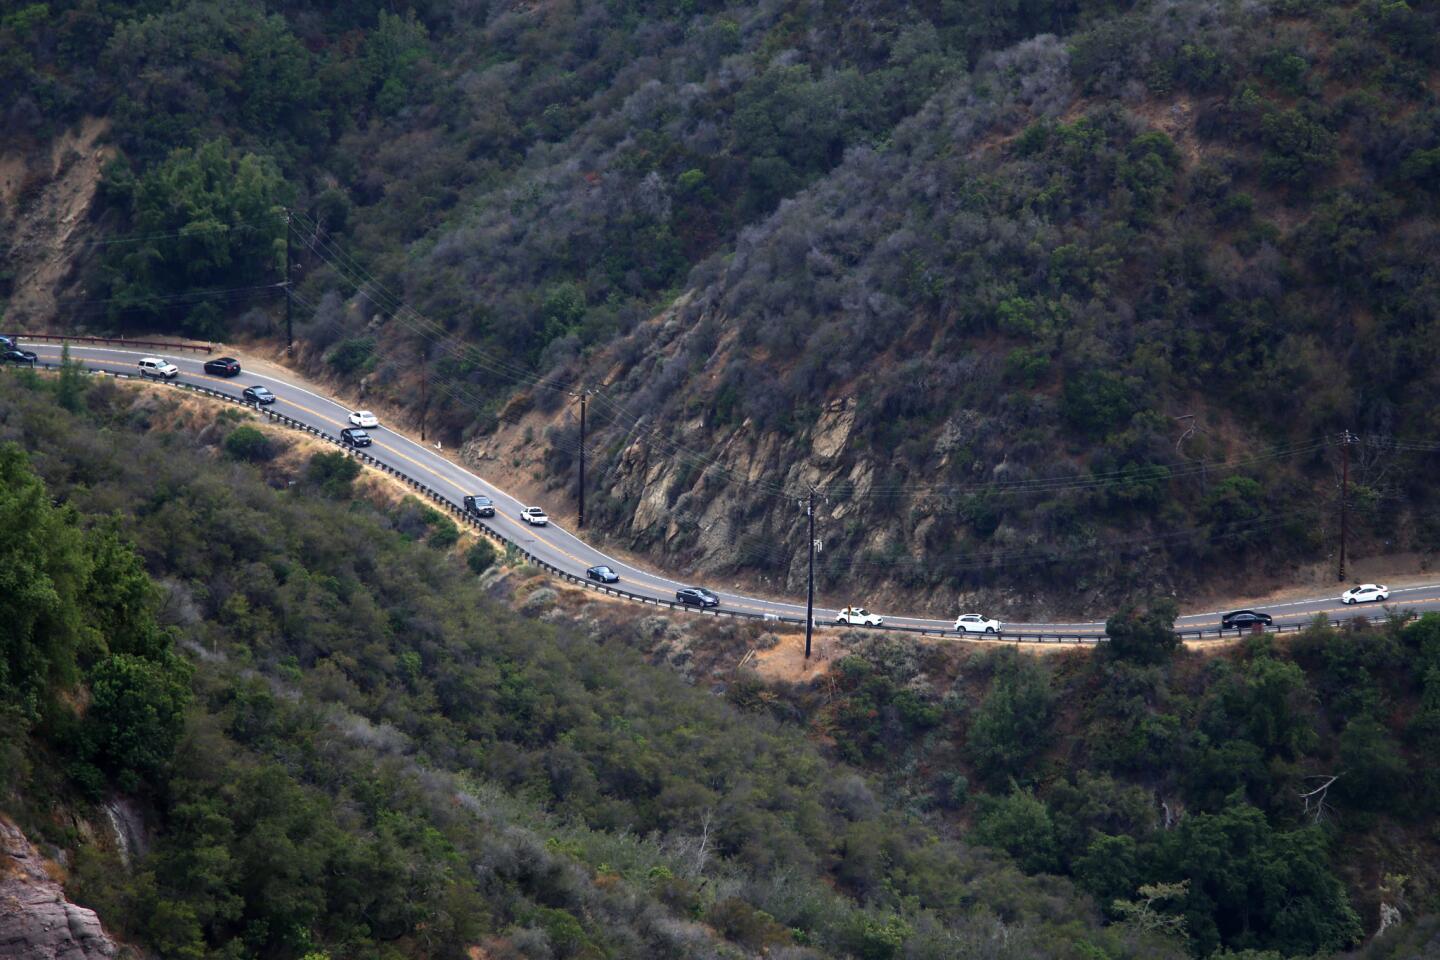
{"x":361,"y":420}
{"x":1255,"y":619}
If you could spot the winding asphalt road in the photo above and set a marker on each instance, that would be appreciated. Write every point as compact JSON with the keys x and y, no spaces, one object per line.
{"x":561,"y":548}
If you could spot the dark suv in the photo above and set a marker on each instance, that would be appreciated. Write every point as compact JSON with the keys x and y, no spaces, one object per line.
{"x":480,"y":506}
{"x":696,"y":597}
{"x":1244,"y":620}
{"x":223,"y":367}
{"x":355,"y":437}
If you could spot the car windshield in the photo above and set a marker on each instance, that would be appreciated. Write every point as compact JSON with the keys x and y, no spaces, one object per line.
{"x":605,"y":571}
{"x":261,"y":392}
{"x":359,"y":434}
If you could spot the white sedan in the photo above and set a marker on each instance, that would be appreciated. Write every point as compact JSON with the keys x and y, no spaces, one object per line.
{"x":975,"y":623}
{"x":1366,"y":593}
{"x":364,"y":418}
{"x":858,"y":617}
{"x":534,"y":516}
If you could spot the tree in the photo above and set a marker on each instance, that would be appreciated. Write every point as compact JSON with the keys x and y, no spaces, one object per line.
{"x":1250,"y":886}
{"x":481,"y":556}
{"x":43,"y":570}
{"x":1144,"y":636}
{"x":70,"y":387}
{"x":1020,"y":825}
{"x":120,"y":597}
{"x":249,"y":444}
{"x":1374,"y":774}
{"x":137,"y":711}
{"x":1012,"y":725}
{"x":333,"y":473}
{"x":211,"y":217}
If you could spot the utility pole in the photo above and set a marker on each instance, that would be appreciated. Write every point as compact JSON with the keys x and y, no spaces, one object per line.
{"x":289,"y":329}
{"x":424,"y":391}
{"x":580,"y":520}
{"x":1345,"y":440}
{"x":810,"y":586}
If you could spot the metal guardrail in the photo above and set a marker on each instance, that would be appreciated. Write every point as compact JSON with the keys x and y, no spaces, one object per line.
{"x":121,"y":341}
{"x":455,"y":510}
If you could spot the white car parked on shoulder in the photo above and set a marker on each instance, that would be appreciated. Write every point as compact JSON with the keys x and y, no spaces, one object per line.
{"x":975,"y":623}
{"x":858,"y":617}
{"x":1366,"y":593}
{"x":364,"y":418}
{"x":534,"y":516}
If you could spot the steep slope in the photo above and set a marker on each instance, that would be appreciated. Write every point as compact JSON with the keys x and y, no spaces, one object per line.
{"x":335,"y":741}
{"x":1091,"y":323}
{"x":1053,"y":302}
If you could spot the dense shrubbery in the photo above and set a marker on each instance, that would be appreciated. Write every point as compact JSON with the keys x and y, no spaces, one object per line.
{"x":380,"y":762}
{"x":1245,"y":790}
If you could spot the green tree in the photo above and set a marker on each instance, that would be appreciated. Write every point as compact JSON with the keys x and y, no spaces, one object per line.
{"x":249,"y":444}
{"x":70,"y":386}
{"x":212,"y":218}
{"x":120,"y":598}
{"x":43,"y":571}
{"x":137,"y":712}
{"x":1146,"y":636}
{"x":1250,"y":886}
{"x":1373,"y":772}
{"x":1019,"y":824}
{"x":1012,"y":725}
{"x":334,"y":473}
{"x":481,"y":556}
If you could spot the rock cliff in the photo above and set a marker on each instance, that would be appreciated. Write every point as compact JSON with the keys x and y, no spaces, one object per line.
{"x":36,"y":921}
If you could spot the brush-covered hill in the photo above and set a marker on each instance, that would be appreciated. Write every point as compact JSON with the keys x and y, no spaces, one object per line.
{"x":1054,"y":303}
{"x":253,"y":707}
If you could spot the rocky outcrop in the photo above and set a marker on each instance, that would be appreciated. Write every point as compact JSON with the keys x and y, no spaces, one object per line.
{"x":36,"y":921}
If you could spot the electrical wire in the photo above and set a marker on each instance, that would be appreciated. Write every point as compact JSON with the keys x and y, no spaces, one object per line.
{"x":148,"y":237}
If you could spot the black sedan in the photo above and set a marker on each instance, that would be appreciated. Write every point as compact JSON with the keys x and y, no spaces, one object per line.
{"x":19,"y":356}
{"x":223,"y":367}
{"x":257,"y":395}
{"x":603,"y":574}
{"x":1244,"y":620}
{"x":696,"y":597}
{"x":355,"y":437}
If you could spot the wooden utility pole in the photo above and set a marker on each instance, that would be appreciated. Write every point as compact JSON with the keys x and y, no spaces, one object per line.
{"x":810,"y":586}
{"x":289,"y":328}
{"x":1345,"y":440}
{"x":424,"y":390}
{"x":580,"y":519}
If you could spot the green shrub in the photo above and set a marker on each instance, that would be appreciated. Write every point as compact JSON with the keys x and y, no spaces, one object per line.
{"x":481,"y":556}
{"x":334,"y":473}
{"x":444,"y":534}
{"x":249,"y":444}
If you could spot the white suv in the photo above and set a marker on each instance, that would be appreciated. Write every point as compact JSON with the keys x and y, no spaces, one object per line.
{"x":1366,"y":593}
{"x":975,"y":623}
{"x":859,"y":617}
{"x":158,"y":367}
{"x":534,"y":516}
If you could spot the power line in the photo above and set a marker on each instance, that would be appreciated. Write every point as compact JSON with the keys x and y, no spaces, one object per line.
{"x":617,"y":414}
{"x":185,"y":232}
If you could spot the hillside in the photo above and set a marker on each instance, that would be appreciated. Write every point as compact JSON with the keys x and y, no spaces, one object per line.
{"x":323,"y":737}
{"x":1056,"y":304}
{"x":260,"y":705}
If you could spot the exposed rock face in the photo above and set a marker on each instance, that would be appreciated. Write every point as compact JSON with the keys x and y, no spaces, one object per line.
{"x":36,"y":921}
